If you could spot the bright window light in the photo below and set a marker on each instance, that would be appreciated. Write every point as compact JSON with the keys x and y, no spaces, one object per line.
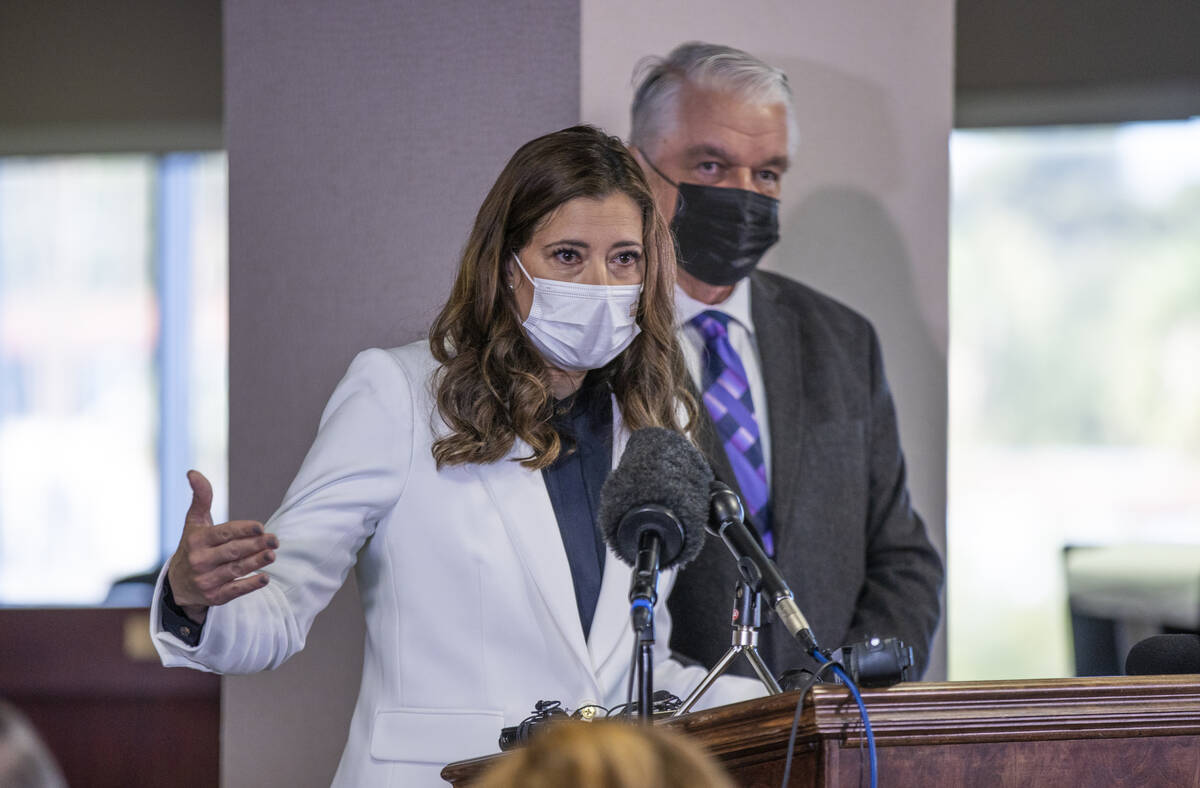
{"x":1074,"y":373}
{"x":113,"y":334}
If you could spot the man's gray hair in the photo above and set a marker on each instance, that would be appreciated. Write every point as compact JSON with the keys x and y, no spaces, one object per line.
{"x":709,"y":67}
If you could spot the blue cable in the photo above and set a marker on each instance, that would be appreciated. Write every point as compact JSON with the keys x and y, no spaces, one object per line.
{"x":862,"y":711}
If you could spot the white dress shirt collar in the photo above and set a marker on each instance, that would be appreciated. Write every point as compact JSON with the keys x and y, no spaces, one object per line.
{"x":736,"y":306}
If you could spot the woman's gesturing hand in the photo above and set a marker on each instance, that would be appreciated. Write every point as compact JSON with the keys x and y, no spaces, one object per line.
{"x":213,"y":563}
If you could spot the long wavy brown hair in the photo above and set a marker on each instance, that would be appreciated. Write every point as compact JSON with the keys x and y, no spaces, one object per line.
{"x":493,"y":386}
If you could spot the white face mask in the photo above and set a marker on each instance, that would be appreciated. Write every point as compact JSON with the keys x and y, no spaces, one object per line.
{"x":578,"y":326}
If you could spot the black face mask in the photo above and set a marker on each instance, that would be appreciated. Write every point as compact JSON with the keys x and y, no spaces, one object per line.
{"x":721,"y":234}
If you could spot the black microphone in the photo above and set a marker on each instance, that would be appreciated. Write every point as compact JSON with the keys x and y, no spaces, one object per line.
{"x":1164,"y":654}
{"x":726,"y":520}
{"x":654,"y":506}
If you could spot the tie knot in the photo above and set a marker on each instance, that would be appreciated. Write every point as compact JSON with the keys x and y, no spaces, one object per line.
{"x":712,"y":324}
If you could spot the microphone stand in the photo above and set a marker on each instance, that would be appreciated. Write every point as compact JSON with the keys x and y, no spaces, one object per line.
{"x":747,"y":620}
{"x":645,"y":671}
{"x":643,"y":593}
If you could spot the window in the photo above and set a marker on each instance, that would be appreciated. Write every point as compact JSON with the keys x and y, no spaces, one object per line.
{"x":113,"y":334}
{"x":1074,"y":372}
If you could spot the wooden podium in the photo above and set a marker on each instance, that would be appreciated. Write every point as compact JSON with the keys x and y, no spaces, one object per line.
{"x":1119,"y":731}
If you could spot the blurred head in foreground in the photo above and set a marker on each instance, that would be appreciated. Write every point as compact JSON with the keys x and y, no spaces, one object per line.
{"x":24,"y":760}
{"x":607,"y":754}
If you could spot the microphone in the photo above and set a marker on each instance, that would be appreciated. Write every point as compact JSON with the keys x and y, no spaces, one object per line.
{"x":1164,"y":654}
{"x":652,"y":514}
{"x":726,"y":520}
{"x":653,"y":507}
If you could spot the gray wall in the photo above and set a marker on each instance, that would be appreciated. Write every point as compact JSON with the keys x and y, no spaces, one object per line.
{"x":362,"y":137}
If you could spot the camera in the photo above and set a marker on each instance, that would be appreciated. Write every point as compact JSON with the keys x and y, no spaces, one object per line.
{"x":877,"y":662}
{"x":544,"y":711}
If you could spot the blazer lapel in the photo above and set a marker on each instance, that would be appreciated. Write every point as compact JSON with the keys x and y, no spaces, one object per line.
{"x":520,"y":497}
{"x":777,"y":330}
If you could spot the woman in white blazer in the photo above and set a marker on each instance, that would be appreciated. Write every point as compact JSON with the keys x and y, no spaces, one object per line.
{"x":437,"y":475}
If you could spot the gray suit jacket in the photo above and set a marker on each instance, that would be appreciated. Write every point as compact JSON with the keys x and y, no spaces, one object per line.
{"x":846,"y":537}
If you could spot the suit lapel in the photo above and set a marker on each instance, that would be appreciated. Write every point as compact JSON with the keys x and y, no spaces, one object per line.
{"x":520,"y":497}
{"x":777,"y":332}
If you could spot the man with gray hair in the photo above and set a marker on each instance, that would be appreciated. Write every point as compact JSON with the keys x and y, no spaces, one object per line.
{"x":799,"y":417}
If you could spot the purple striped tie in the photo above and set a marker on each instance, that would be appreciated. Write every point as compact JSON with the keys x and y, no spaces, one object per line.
{"x":727,"y":398}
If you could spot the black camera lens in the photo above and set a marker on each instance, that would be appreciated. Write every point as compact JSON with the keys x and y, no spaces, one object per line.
{"x":878,"y":662}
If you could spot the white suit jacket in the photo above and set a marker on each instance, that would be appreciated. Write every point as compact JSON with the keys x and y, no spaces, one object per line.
{"x":470,"y":609}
